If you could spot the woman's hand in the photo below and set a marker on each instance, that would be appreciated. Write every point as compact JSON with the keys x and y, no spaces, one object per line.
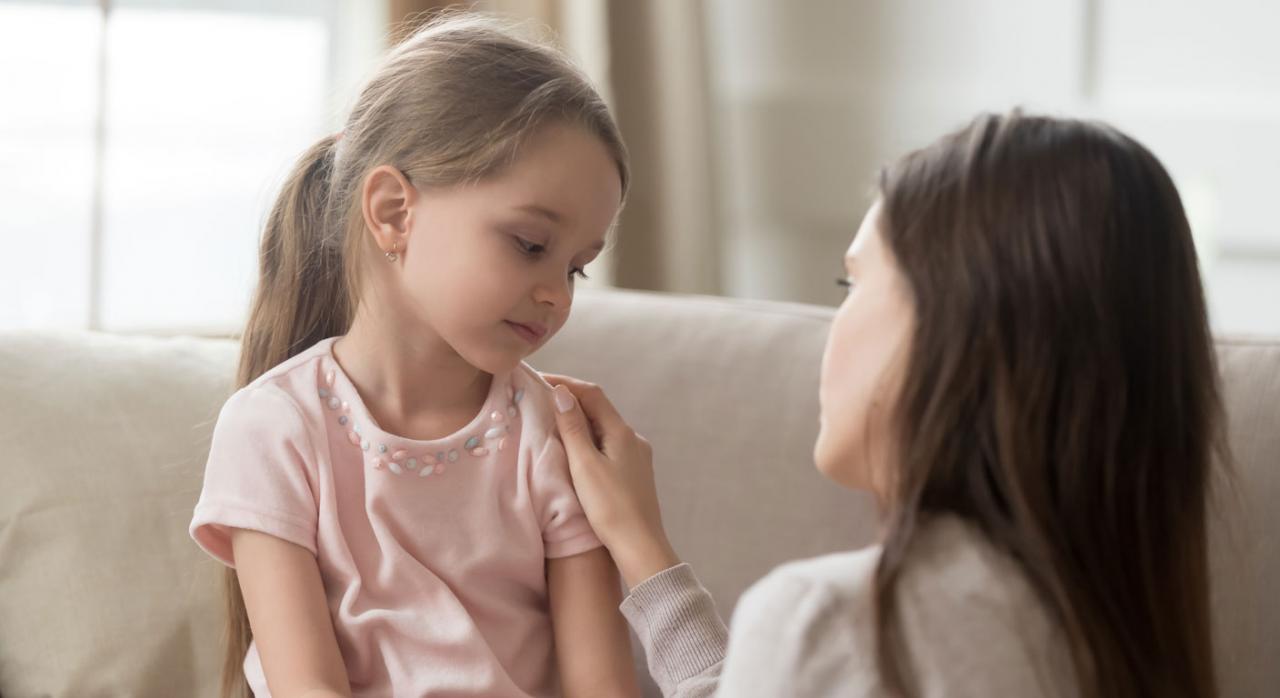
{"x":612,"y":470}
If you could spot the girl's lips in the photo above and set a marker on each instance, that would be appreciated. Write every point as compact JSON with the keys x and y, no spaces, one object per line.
{"x":532,"y":333}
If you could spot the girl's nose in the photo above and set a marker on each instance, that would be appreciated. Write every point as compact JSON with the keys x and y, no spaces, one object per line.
{"x":557,"y":293}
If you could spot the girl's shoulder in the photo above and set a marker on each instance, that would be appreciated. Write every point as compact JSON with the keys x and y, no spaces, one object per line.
{"x":289,"y":393}
{"x":294,"y":370}
{"x":532,"y":397}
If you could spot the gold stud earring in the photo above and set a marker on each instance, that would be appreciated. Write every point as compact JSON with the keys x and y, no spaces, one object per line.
{"x":392,"y":256}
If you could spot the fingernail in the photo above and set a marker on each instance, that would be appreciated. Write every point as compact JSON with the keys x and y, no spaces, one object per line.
{"x":564,"y":399}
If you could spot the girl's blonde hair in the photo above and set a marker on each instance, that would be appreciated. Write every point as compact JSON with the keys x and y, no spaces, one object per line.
{"x":451,"y":103}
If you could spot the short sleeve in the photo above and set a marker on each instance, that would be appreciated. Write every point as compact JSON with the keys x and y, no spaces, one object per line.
{"x":565,"y":530}
{"x":257,"y":476}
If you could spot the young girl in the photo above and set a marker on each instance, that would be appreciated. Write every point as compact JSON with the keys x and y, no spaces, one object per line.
{"x":1023,"y":374}
{"x":387,"y":484}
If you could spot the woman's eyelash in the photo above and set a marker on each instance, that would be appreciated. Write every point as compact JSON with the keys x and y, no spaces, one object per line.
{"x":579,"y":272}
{"x":844,"y":282}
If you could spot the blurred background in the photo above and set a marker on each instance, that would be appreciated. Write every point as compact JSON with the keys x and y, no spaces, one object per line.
{"x":141,"y":141}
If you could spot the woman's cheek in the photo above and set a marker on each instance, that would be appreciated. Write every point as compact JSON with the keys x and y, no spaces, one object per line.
{"x":835,"y":453}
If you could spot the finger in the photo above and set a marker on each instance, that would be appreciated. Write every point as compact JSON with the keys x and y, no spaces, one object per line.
{"x":599,"y":410}
{"x":575,"y":429}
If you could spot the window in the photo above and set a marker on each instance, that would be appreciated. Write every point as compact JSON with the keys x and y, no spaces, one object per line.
{"x":141,"y":144}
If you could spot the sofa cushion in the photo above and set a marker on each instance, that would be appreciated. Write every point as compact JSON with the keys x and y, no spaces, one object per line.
{"x":102,"y":444}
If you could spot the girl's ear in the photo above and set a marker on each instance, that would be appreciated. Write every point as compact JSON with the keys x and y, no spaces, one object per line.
{"x":387,"y":200}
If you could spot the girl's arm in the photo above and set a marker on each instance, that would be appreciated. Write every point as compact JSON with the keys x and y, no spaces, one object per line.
{"x":593,"y":647}
{"x":289,"y":616}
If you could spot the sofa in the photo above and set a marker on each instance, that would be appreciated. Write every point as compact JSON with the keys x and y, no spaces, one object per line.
{"x":103,"y":439}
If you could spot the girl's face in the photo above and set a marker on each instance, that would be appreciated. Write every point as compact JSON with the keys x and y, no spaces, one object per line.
{"x":862,"y":364}
{"x":490,"y":266}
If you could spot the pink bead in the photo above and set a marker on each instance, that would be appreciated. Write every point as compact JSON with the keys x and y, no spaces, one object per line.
{"x":497,"y":416}
{"x":329,"y":378}
{"x":399,"y":455}
{"x":376,"y":463}
{"x":482,"y":451}
{"x":353,"y":437}
{"x":428,"y":460}
{"x":345,"y":406}
{"x":502,"y":444}
{"x":440,"y":469}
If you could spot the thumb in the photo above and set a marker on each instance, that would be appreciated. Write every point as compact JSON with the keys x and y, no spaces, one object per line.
{"x":575,"y":430}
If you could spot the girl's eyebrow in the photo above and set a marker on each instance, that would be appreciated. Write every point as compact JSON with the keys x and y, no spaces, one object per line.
{"x":543,"y":211}
{"x":555,"y":217}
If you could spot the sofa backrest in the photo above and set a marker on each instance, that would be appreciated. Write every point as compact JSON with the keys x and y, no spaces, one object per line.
{"x":103,"y":440}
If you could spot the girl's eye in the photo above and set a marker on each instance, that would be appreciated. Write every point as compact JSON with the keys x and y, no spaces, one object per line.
{"x":534,"y":249}
{"x":530,"y":248}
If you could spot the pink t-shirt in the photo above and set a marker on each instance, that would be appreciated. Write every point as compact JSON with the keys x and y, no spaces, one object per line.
{"x":432,"y":552}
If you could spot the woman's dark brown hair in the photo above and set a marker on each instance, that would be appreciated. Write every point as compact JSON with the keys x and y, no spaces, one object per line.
{"x":1061,"y":391}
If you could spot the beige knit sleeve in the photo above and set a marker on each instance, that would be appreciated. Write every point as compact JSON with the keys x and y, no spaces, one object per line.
{"x":682,"y":634}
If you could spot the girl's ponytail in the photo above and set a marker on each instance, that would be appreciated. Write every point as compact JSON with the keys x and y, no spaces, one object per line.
{"x":302,"y":295}
{"x":301,"y":298}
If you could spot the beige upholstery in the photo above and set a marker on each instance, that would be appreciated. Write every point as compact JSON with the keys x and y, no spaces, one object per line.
{"x":102,"y":441}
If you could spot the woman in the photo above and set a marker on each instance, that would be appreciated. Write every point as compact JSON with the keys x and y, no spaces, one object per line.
{"x":1023,"y":375}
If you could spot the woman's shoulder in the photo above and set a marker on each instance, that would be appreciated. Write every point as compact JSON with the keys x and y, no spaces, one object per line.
{"x":804,"y":629}
{"x":950,"y":561}
{"x":953,"y":570}
{"x":821,"y":596}
{"x":958,"y":586}
{"x":954,"y":587}
{"x":837,"y":578}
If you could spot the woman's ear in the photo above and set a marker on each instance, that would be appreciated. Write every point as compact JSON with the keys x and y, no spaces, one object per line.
{"x":387,"y":200}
